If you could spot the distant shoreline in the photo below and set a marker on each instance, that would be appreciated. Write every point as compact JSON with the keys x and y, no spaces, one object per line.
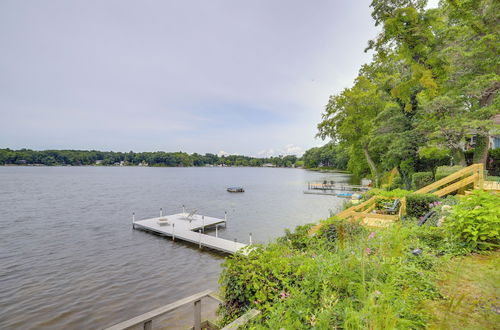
{"x":146,"y":159}
{"x":154,"y":166}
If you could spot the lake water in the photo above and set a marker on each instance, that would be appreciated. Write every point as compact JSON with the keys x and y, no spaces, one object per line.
{"x":69,"y":257}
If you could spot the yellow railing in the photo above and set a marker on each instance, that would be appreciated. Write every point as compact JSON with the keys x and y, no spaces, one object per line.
{"x":471,"y":174}
{"x":364,"y":210}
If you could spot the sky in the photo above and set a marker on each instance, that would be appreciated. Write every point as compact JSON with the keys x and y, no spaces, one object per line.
{"x":221,"y":76}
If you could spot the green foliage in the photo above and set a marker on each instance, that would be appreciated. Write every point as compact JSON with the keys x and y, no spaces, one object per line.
{"x":433,"y":82}
{"x":444,"y":171}
{"x":421,"y":179}
{"x":330,"y":155}
{"x":396,"y":193}
{"x":418,"y":205}
{"x":344,"y":277}
{"x":493,"y":165}
{"x":476,"y":220}
{"x":158,"y":158}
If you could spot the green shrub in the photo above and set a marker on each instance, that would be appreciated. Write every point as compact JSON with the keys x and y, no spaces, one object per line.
{"x":493,"y":164}
{"x":419,"y":204}
{"x":396,"y":193}
{"x":370,"y":280}
{"x":444,"y":171}
{"x":476,"y":220}
{"x":421,"y":179}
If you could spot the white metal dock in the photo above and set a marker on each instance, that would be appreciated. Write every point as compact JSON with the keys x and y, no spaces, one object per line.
{"x":190,"y":228}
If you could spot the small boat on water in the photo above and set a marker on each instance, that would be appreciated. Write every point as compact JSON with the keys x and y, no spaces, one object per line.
{"x":235,"y":189}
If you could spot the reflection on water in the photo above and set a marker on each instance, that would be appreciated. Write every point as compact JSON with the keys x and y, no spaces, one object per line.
{"x":70,"y":259}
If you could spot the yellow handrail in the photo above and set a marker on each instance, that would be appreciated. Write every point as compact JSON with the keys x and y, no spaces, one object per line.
{"x":471,"y":174}
{"x":468,"y":171}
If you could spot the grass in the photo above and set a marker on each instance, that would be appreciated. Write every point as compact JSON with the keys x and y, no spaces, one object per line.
{"x":351,"y":277}
{"x":470,"y":286}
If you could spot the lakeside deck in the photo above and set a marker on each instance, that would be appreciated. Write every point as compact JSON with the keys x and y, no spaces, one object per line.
{"x":190,"y":229}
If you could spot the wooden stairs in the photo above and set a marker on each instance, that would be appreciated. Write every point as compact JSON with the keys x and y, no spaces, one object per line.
{"x":460,"y":181}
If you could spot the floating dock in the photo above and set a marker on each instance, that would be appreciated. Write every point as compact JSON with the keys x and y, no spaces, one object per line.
{"x":331,"y":185}
{"x":329,"y":193}
{"x":190,"y":228}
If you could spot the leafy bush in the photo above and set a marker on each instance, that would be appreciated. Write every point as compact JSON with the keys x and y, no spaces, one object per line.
{"x":344,"y":277}
{"x":476,"y":220}
{"x":421,"y":179}
{"x":442,"y":210}
{"x":419,"y":204}
{"x":493,"y":164}
{"x":444,"y":171}
{"x":396,"y":193}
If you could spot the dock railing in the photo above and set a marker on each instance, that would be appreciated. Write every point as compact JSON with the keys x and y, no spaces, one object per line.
{"x":145,"y":321}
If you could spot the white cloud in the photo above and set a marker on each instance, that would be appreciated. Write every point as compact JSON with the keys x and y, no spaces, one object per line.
{"x":266,"y":153}
{"x":289,"y":149}
{"x":292,"y":149}
{"x":224,"y":153}
{"x":172,"y":71}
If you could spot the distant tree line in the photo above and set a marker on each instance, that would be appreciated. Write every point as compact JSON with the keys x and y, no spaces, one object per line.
{"x":158,"y":158}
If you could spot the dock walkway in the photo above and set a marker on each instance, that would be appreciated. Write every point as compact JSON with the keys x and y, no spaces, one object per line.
{"x":191,"y":229}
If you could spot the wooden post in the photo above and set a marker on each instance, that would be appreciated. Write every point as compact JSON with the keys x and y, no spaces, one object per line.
{"x":481,"y":176}
{"x":199,"y":238}
{"x":161,"y":212}
{"x":197,"y":315}
{"x":225,"y":218}
{"x":133,"y":219}
{"x":148,"y":325}
{"x":203,"y":223}
{"x":250,"y":238}
{"x":216,"y":231}
{"x":173,"y":231}
{"x":183,"y":209}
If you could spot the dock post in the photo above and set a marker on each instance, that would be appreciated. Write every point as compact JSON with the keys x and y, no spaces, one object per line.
{"x":183,"y":209}
{"x":199,"y":239}
{"x":250,"y":238}
{"x":133,"y":219}
{"x":197,"y":315}
{"x":216,"y":231}
{"x":203,"y":223}
{"x":161,"y":212}
{"x":225,"y":218}
{"x":173,"y":232}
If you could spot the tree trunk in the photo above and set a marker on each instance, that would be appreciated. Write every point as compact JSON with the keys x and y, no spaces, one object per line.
{"x":481,"y":156}
{"x":481,"y":149}
{"x":372,"y":165}
{"x":459,"y":156}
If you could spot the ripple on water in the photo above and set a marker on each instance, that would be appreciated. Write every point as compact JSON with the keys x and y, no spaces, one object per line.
{"x":70,"y":258}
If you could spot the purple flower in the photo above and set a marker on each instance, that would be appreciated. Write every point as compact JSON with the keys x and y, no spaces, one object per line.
{"x":284,"y":295}
{"x":368,"y":251}
{"x":372,"y":235}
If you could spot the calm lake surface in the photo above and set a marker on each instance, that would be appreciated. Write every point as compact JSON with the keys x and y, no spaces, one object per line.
{"x":69,"y":257}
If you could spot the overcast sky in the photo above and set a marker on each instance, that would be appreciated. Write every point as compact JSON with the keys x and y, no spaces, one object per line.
{"x":248,"y":77}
